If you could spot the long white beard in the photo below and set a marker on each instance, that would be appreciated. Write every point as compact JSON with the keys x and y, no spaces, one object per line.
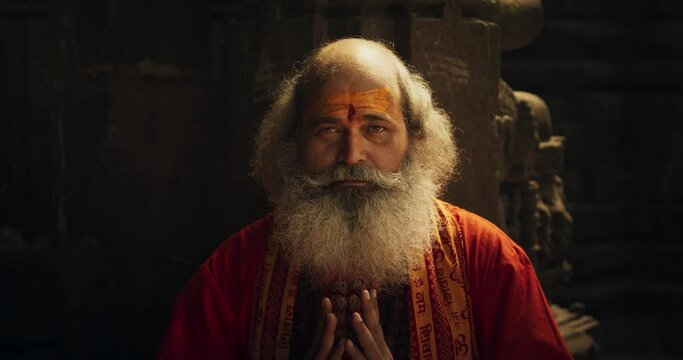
{"x":376,"y":234}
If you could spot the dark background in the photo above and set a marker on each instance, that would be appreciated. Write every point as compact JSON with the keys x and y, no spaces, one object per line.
{"x":123,"y":142}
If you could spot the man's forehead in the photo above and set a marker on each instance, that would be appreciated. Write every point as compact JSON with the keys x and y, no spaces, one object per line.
{"x":376,"y":100}
{"x":358,"y":84}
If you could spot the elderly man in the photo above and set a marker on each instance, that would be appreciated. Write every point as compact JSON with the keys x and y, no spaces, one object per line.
{"x":359,"y":259}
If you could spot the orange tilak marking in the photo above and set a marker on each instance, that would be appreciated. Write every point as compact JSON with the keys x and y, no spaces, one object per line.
{"x":376,"y":99}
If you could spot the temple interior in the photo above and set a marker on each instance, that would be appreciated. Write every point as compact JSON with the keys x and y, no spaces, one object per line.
{"x":127,"y":128}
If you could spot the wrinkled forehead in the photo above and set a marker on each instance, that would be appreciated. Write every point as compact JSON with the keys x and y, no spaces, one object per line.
{"x":370,"y":84}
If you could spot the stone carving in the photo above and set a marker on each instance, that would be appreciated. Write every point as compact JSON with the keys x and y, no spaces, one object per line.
{"x":527,"y":218}
{"x":532,"y":195}
{"x":518,"y":132}
{"x":503,"y":126}
{"x":538,"y":111}
{"x":531,"y":188}
{"x":557,"y":268}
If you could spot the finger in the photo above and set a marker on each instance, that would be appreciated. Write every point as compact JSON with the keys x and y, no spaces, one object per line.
{"x":327,"y":337}
{"x":321,"y":317}
{"x":353,"y":351}
{"x":365,"y":338}
{"x":319,"y":349}
{"x":327,"y":340}
{"x":327,"y":305}
{"x":338,"y":350}
{"x":373,"y":296}
{"x":371,"y":314}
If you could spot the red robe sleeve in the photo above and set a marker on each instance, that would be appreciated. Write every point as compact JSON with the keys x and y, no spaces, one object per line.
{"x":210,"y":317}
{"x":511,"y":315}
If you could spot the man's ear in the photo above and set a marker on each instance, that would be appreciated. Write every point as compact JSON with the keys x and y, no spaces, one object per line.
{"x":415,"y":130}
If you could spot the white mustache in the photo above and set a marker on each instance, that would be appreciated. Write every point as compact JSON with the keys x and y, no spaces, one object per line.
{"x":381,"y":179}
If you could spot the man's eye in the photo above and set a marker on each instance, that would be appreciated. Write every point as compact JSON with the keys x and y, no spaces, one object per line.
{"x":376,"y":129}
{"x":326,"y":131}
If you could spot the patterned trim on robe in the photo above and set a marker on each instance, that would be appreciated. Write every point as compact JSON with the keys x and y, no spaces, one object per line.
{"x":440,"y":316}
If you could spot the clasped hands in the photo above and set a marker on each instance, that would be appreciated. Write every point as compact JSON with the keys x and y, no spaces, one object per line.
{"x":371,"y":344}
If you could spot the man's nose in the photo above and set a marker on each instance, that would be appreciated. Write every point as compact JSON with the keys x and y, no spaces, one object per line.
{"x":353,"y":151}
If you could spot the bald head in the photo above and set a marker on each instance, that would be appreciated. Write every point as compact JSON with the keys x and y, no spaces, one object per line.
{"x":352,"y":61}
{"x":358,"y":55}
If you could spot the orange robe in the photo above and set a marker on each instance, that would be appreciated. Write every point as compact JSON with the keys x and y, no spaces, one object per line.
{"x":211,"y":316}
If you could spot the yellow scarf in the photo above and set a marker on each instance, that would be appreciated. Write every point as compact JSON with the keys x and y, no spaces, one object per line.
{"x":440,"y":315}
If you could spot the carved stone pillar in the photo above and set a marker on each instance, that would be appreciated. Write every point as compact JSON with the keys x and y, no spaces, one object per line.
{"x":529,"y":163}
{"x":532,"y":194}
{"x":555,"y":265}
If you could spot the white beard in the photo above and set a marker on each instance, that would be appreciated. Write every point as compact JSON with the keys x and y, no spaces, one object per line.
{"x":375,"y":234}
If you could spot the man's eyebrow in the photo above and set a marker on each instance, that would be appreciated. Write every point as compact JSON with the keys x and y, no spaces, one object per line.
{"x":377,"y":117}
{"x":323,"y":120}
